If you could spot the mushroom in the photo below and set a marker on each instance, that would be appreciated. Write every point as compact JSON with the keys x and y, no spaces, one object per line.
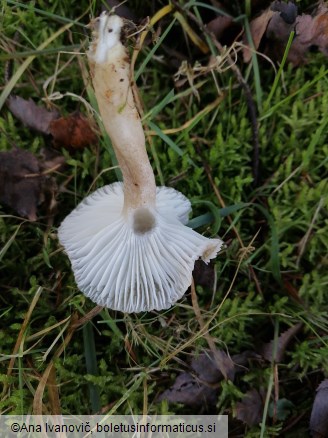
{"x":128,"y":243}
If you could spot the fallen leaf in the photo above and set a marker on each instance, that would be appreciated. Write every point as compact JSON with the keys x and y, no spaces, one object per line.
{"x":20,"y":182}
{"x":313,"y":31}
{"x":187,"y":390}
{"x":72,"y":132}
{"x":30,"y":114}
{"x":26,"y":182}
{"x":288,"y":11}
{"x":205,"y":366}
{"x":319,"y":414}
{"x":204,"y":275}
{"x":219,"y":25}
{"x":200,"y":386}
{"x":250,"y":409}
{"x":274,"y":26}
{"x":284,"y":339}
{"x":321,"y":29}
{"x":258,"y":27}
{"x":278,"y":30}
{"x":310,"y":31}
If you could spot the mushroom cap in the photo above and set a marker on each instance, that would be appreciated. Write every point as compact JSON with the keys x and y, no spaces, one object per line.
{"x":136,"y":261}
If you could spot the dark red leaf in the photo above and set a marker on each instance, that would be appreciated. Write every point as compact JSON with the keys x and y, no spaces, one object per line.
{"x":288,"y":11}
{"x":250,"y":409}
{"x":258,"y":27}
{"x":284,"y":339}
{"x":187,"y":390}
{"x":319,"y":414}
{"x":20,"y":182}
{"x":204,"y":275}
{"x":72,"y":132}
{"x":219,"y":25}
{"x":275,"y":24}
{"x":200,"y":386}
{"x":26,"y":182}
{"x":205,"y":366}
{"x":31,"y":115}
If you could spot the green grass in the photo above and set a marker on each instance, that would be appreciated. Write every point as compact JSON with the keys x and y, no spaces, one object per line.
{"x":120,"y":363}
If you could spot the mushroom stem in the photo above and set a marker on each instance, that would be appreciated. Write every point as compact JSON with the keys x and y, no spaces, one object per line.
{"x":128,"y":242}
{"x":111,"y":77}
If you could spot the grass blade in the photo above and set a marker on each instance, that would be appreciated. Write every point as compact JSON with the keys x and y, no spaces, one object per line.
{"x":7,"y":245}
{"x":169,"y":142}
{"x":278,"y":75}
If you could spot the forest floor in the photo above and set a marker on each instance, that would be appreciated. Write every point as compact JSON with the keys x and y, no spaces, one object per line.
{"x":243,"y":135}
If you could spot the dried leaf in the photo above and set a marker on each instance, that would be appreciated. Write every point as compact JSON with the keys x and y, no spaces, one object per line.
{"x":200,"y":387}
{"x":205,"y":365}
{"x":25,"y":182}
{"x":20,"y":182}
{"x":204,"y":275}
{"x":250,"y":409}
{"x":219,"y":25}
{"x":319,"y":414}
{"x":73,"y":132}
{"x":311,"y":31}
{"x":284,"y":339}
{"x":288,"y":11}
{"x":258,"y":27}
{"x":187,"y":390}
{"x":30,"y":114}
{"x":275,"y":24}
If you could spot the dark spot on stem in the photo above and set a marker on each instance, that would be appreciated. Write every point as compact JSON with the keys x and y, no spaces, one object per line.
{"x":110,"y":30}
{"x":144,"y":221}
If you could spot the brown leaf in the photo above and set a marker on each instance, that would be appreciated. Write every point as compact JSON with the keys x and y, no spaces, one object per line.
{"x":187,"y":390}
{"x":288,"y":11}
{"x":250,"y":409}
{"x":205,"y":367}
{"x":319,"y":414}
{"x":30,"y":114}
{"x":204,"y":275}
{"x":73,"y":132}
{"x":20,"y":182}
{"x":284,"y":339}
{"x":200,"y":386}
{"x":258,"y":27}
{"x":321,"y":29}
{"x":311,"y":31}
{"x":219,"y":25}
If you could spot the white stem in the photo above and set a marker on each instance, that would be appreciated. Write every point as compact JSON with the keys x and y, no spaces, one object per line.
{"x":111,"y":77}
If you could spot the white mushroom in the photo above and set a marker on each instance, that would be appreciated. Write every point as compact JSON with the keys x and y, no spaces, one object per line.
{"x":128,"y":243}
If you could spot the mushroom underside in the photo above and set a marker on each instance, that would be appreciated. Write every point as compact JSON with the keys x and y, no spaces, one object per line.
{"x":133,"y":268}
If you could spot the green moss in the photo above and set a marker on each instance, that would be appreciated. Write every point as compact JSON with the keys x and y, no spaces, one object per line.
{"x":285,"y":224}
